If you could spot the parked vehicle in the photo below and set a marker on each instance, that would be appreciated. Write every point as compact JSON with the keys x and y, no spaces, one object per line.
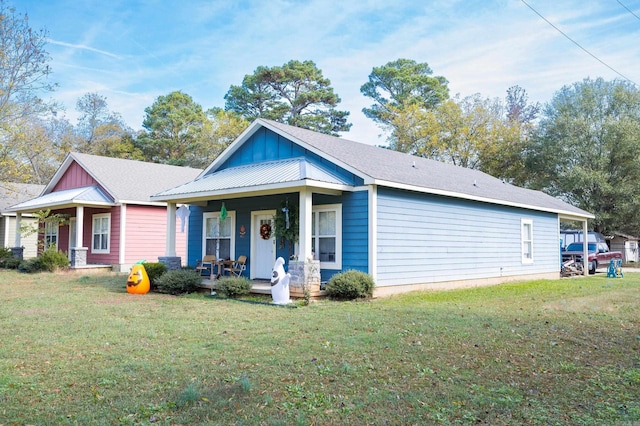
{"x":569,"y":236}
{"x":598,"y":254}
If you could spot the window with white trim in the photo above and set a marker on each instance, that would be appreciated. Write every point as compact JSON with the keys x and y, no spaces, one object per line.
{"x":326,"y":235}
{"x":527,"y":240}
{"x":218,"y":235}
{"x":50,"y":233}
{"x":100,"y":232}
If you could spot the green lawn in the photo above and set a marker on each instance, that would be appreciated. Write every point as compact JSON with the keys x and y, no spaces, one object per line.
{"x":81,"y":350}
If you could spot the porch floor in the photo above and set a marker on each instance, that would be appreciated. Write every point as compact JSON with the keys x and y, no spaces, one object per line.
{"x":257,"y":286}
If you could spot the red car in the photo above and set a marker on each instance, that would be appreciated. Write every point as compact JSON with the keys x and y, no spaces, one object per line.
{"x":599,"y":254}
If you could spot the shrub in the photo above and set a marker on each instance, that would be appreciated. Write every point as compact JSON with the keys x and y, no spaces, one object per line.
{"x":49,"y":260}
{"x":233,"y":287}
{"x":350,"y":285}
{"x":5,"y":253}
{"x":179,"y":281}
{"x":154,"y":270}
{"x":52,"y":259}
{"x":10,"y":262}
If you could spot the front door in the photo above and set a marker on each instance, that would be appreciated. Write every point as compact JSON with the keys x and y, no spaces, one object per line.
{"x":263,"y":244}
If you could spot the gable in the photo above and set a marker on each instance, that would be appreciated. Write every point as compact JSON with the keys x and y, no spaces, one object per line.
{"x":266,"y":145}
{"x":74,"y":177}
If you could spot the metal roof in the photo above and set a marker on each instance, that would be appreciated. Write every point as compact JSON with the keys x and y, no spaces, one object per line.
{"x":255,"y":175}
{"x":86,"y":195}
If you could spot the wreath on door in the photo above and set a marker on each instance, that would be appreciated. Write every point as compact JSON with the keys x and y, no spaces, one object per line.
{"x":265,"y":231}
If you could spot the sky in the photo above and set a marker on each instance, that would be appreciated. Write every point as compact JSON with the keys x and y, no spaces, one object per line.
{"x":133,"y":51}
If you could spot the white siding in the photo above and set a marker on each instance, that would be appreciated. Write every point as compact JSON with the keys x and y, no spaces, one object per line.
{"x":427,"y":239}
{"x":30,"y":242}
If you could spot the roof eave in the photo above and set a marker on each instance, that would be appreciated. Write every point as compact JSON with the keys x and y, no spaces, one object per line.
{"x":562,"y":213}
{"x":61,"y":205}
{"x":249,"y":191}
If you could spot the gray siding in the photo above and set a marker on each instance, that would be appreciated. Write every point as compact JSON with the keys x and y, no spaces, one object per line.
{"x":427,"y":239}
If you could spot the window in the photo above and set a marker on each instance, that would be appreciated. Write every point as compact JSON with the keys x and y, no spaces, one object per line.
{"x":100,"y":233}
{"x":50,"y":234}
{"x":326,"y":235}
{"x":527,"y":240}
{"x":219,"y":237}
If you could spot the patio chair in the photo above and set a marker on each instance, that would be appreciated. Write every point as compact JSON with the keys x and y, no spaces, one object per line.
{"x":206,"y":264}
{"x":238,"y":266}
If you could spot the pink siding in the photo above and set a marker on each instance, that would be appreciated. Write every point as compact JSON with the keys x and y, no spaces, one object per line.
{"x":74,"y":177}
{"x":114,"y":239}
{"x":146,"y":234}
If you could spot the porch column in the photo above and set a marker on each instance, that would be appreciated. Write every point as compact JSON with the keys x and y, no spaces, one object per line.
{"x":585,"y":249}
{"x":79,"y":226}
{"x":170,"y":249}
{"x":18,"y":238}
{"x":304,"y":241}
{"x":78,"y":252}
{"x":170,"y":259}
{"x":17,"y":250}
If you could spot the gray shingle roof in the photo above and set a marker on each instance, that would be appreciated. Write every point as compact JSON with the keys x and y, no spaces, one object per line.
{"x":14,"y":193}
{"x":129,"y":180}
{"x":384,"y":165}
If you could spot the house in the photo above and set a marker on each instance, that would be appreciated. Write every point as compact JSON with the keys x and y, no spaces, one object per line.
{"x":627,"y":244}
{"x":410,"y":222}
{"x":111,"y":219}
{"x":12,"y":193}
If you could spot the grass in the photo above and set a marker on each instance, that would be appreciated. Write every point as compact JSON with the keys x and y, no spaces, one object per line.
{"x":81,"y":350}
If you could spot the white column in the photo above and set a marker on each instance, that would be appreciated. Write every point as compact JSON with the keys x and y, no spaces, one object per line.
{"x":373,"y":231}
{"x":585,"y":249}
{"x":304,"y":240}
{"x":170,"y":249}
{"x":18,"y":239}
{"x":79,"y":227}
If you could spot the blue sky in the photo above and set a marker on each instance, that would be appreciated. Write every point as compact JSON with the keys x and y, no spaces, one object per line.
{"x":133,"y":51}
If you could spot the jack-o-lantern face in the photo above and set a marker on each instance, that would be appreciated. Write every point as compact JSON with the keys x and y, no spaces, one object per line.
{"x":138,"y":280}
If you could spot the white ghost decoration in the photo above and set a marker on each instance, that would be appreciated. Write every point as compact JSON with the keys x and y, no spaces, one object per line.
{"x":280,"y":283}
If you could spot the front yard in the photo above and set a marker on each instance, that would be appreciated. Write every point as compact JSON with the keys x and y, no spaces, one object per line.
{"x":81,"y":350}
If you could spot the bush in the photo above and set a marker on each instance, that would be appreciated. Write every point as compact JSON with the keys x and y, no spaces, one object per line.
{"x":52,"y":259}
{"x":233,"y":287}
{"x":350,"y":285}
{"x":7,"y":260}
{"x":154,"y":271}
{"x":179,"y":281}
{"x":49,"y":260}
{"x":10,"y":262}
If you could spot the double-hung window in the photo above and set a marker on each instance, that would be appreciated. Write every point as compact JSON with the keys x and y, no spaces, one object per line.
{"x":526,"y":239}
{"x":100,"y":233}
{"x":326,"y":235}
{"x":50,"y":233}
{"x":219,"y":238}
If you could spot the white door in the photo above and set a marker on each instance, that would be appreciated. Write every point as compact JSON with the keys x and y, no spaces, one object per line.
{"x":263,"y":245}
{"x":72,"y":235}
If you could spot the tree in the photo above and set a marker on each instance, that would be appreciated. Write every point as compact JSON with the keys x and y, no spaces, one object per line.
{"x":23,"y":67}
{"x":220,"y":129}
{"x":173,"y":125}
{"x":102,"y":132}
{"x":399,"y":84}
{"x":587,"y":151}
{"x":34,"y":148}
{"x":295,"y":93}
{"x":468,"y":132}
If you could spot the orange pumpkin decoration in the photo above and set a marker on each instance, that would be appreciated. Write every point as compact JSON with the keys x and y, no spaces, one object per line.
{"x":138,"y":281}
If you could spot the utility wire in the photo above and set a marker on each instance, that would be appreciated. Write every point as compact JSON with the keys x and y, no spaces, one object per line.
{"x":578,"y":44}
{"x":629,"y":10}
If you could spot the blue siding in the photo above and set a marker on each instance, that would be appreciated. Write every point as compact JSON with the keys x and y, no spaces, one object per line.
{"x":243,"y":208}
{"x":265,"y":145}
{"x":355,"y":230}
{"x":423,"y":239}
